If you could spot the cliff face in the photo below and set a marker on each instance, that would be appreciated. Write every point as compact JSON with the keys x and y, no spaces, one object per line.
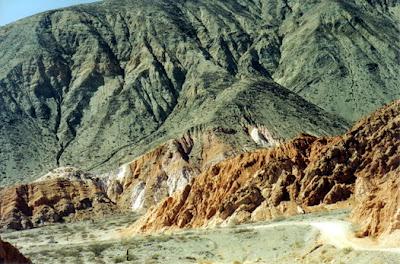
{"x":169,"y":168}
{"x":95,"y":86}
{"x":378,"y":184}
{"x":204,"y":186}
{"x":65,"y":192}
{"x":9,"y":254}
{"x":294,"y":177}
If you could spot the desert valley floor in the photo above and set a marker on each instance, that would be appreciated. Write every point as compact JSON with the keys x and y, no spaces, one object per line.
{"x":311,"y":238}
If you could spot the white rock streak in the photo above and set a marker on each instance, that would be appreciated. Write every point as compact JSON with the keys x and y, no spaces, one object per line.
{"x":178,"y":180}
{"x":138,"y":196}
{"x":261,"y":136}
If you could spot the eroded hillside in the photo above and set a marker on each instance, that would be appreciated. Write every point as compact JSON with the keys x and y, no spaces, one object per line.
{"x":294,"y":178}
{"x":97,"y":85}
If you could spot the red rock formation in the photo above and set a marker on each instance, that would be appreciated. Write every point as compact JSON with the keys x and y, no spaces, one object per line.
{"x":264,"y":178}
{"x":29,"y":205}
{"x":138,"y":185}
{"x":303,"y":174}
{"x":168,"y":168}
{"x":378,"y":181}
{"x":9,"y":254}
{"x":142,"y":183}
{"x":306,"y":171}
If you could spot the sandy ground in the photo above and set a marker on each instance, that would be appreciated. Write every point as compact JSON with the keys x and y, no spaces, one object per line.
{"x":312,"y":238}
{"x":337,"y":233}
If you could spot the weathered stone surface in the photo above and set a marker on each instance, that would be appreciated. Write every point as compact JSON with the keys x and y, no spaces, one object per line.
{"x":51,"y":200}
{"x":169,"y":168}
{"x":303,"y":173}
{"x":95,"y":86}
{"x":377,"y":188}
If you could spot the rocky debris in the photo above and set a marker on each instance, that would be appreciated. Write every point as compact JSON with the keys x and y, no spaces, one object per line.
{"x":66,"y":173}
{"x":49,"y":201}
{"x":96,"y":86}
{"x":305,"y":172}
{"x":9,"y":254}
{"x":378,"y":182}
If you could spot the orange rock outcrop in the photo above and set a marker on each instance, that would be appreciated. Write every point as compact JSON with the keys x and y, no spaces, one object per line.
{"x":204,"y":187}
{"x":70,"y":192}
{"x":159,"y":173}
{"x":377,"y":188}
{"x":303,"y":173}
{"x":50,"y":200}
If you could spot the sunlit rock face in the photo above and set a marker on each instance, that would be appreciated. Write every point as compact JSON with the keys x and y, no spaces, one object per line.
{"x":167,"y":169}
{"x":303,"y":175}
{"x":52,"y":200}
{"x":262,"y":137}
{"x":378,"y":183}
{"x":138,"y":193}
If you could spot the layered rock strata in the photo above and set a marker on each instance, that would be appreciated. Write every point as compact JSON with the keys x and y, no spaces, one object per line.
{"x":294,"y":177}
{"x":52,"y":200}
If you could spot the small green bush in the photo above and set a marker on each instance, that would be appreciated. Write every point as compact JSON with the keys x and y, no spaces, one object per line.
{"x":98,"y":249}
{"x":119,"y":259}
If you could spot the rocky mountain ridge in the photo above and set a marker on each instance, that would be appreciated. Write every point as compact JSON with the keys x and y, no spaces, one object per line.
{"x":295,"y":177}
{"x":192,"y":182}
{"x":95,"y":86}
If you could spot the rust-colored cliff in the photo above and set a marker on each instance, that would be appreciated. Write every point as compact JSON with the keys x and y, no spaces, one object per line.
{"x":296,"y":176}
{"x":51,"y":199}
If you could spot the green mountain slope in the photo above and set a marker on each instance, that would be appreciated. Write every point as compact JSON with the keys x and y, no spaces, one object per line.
{"x":95,"y":85}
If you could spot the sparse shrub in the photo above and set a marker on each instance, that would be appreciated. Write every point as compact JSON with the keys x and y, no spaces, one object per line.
{"x":297,"y":244}
{"x":278,"y":219}
{"x":119,"y":259}
{"x":241,"y":230}
{"x":347,"y":250}
{"x":98,"y":249}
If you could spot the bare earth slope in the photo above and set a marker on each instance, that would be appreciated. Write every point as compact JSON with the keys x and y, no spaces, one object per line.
{"x":377,"y":188}
{"x":297,"y":176}
{"x":307,"y":173}
{"x":96,"y":85}
{"x":51,"y":200}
